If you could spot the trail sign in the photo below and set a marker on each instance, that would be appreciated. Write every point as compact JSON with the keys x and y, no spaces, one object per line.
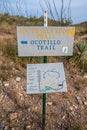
{"x":45,"y":78}
{"x":45,"y":41}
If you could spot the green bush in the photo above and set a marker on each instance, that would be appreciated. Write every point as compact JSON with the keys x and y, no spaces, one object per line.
{"x":83,"y":32}
{"x":79,"y":58}
{"x":75,"y":128}
{"x":11,"y":51}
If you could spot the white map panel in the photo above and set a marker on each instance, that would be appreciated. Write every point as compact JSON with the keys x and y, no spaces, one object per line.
{"x":45,"y":78}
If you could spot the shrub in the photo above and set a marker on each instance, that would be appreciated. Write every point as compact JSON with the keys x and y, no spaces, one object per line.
{"x":75,"y":128}
{"x":11,"y":51}
{"x":79,"y":58}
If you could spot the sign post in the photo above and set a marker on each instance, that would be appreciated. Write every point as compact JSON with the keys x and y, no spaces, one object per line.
{"x":44,"y":95}
{"x":45,"y":41}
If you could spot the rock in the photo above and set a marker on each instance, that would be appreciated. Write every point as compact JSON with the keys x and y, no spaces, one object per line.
{"x":64,"y":117}
{"x":49,"y":103}
{"x":75,"y":106}
{"x":73,"y":113}
{"x":85,"y":76}
{"x":85,"y":103}
{"x":13,"y":129}
{"x":18,"y":79}
{"x":83,"y":92}
{"x":71,"y":108}
{"x":1,"y":97}
{"x":28,"y":127}
{"x":13,"y":116}
{"x":78,"y":98}
{"x":35,"y":109}
{"x":29,"y":109}
{"x":6,"y":84}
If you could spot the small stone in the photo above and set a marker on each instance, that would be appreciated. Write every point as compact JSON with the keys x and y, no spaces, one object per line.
{"x":85,"y":76}
{"x":13,"y":116}
{"x":29,"y":109}
{"x":28,"y":127}
{"x":75,"y":106}
{"x":83,"y":92}
{"x":49,"y":103}
{"x":35,"y":108}
{"x":64,"y":116}
{"x":71,"y":108}
{"x":85,"y":103}
{"x":13,"y":129}
{"x":6,"y":84}
{"x":72,"y":113}
{"x":78,"y":98}
{"x":18,"y":79}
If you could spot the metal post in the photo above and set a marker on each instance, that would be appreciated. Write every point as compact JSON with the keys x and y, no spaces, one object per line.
{"x":45,"y":19}
{"x":44,"y":95}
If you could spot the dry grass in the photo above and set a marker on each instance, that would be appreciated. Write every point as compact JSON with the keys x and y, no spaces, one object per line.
{"x":80,"y":83}
{"x":6,"y":28}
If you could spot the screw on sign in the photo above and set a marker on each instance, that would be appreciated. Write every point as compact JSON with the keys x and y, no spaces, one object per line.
{"x":45,"y":19}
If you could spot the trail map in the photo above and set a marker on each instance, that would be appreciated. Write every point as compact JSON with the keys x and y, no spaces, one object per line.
{"x":45,"y":78}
